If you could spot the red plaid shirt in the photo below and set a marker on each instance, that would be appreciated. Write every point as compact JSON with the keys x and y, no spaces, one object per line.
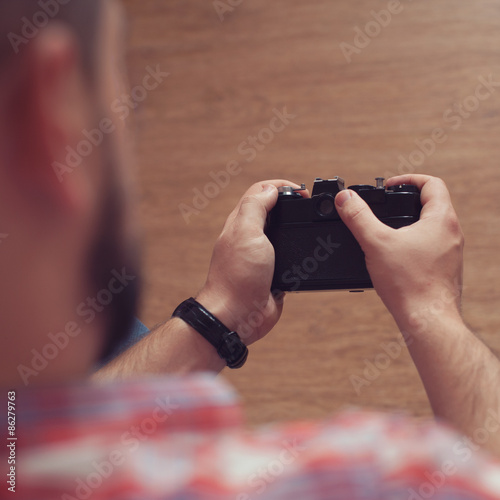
{"x":183,"y":438}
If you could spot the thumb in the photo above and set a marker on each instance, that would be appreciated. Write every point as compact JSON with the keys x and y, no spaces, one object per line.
{"x":359,"y":218}
{"x":268,"y":196}
{"x":254,"y":208}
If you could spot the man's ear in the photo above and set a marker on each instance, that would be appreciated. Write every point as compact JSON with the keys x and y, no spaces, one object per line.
{"x":49,"y":107}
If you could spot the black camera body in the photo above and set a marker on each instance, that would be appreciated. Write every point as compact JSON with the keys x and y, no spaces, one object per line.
{"x":314,"y":249}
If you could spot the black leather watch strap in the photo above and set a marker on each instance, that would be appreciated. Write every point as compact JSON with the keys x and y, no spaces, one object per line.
{"x":227,"y":343}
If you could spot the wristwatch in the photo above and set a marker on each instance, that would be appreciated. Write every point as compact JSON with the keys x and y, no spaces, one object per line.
{"x":227,"y":343}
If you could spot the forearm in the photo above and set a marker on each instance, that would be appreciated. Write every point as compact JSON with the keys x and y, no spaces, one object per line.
{"x":460,"y":375}
{"x":237,"y":292}
{"x":173,"y":347}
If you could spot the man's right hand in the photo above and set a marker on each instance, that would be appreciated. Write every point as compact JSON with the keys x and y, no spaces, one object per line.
{"x":415,"y":269}
{"x":417,"y":272}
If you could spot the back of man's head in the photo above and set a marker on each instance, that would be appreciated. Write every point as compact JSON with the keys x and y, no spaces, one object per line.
{"x":65,"y":237}
{"x":21,"y":21}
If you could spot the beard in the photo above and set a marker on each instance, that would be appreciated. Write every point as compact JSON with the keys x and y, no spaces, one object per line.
{"x":111,"y":250}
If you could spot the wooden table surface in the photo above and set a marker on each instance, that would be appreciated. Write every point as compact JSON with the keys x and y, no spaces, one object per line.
{"x":418,"y":70}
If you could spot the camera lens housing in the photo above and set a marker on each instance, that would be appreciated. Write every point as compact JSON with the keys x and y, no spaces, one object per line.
{"x":324,"y":205}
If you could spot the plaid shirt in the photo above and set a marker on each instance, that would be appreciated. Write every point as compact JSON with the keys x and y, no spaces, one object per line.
{"x":183,"y":438}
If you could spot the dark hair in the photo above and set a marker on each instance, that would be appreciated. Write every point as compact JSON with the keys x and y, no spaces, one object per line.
{"x":22,"y":20}
{"x":20,"y":23}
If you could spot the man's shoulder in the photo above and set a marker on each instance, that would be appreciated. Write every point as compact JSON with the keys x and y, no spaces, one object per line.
{"x":184,"y":436}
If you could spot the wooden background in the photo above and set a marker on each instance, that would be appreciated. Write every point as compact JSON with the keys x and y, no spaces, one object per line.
{"x":353,"y":120}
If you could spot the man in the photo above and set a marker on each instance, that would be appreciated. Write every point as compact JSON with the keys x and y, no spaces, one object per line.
{"x":69,"y":275}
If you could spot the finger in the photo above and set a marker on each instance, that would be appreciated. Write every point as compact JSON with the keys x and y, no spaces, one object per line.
{"x":254,"y":208}
{"x":257,"y":188}
{"x":414,"y":179}
{"x":359,"y":218}
{"x":434,"y":194}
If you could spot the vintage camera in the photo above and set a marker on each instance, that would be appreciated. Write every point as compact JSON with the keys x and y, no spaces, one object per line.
{"x":314,"y":249}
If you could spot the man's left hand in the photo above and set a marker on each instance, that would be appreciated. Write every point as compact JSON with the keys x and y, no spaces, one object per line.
{"x":238,"y":287}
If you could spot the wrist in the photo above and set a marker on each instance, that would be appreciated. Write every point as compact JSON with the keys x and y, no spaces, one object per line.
{"x":424,"y":308}
{"x":226,"y":342}
{"x":424,"y":323}
{"x":251,"y":315}
{"x":203,"y":355}
{"x":219,"y":307}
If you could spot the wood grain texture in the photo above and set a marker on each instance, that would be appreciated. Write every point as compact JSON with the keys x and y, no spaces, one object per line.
{"x":352,"y":119}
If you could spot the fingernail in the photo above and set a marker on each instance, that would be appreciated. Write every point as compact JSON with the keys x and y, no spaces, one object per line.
{"x":268,"y":188}
{"x":342,"y":197}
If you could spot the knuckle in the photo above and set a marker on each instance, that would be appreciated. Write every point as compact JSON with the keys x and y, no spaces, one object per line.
{"x":251,"y":201}
{"x":357,"y":211}
{"x":369,"y":231}
{"x":257,"y":187}
{"x":454,"y":230}
{"x":453,"y":224}
{"x":441,"y":185}
{"x":248,"y":199}
{"x":438,"y":180}
{"x":223,"y":242}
